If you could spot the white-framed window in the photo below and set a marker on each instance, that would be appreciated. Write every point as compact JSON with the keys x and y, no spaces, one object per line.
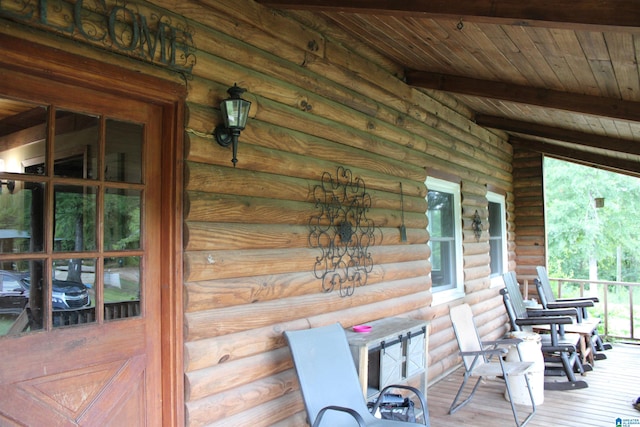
{"x":445,"y":239}
{"x":497,"y":235}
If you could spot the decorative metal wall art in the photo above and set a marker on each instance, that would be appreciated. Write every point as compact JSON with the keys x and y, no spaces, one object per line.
{"x":342,"y":231}
{"x":477,"y":226}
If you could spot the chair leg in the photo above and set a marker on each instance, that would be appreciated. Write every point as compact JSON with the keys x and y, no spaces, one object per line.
{"x":572,"y":383}
{"x":569,"y":362}
{"x":600,"y":345}
{"x":453,"y":407}
{"x":562,"y":363}
{"x":513,"y":406}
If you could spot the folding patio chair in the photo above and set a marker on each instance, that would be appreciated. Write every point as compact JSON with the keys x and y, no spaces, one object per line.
{"x":558,"y":348}
{"x":485,"y":359}
{"x":586,"y":324}
{"x":329,"y":381}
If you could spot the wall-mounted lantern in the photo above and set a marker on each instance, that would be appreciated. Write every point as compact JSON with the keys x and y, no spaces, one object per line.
{"x":11,"y":184}
{"x":235,"y":112}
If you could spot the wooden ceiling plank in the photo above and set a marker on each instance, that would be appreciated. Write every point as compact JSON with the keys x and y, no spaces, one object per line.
{"x":555,"y":56}
{"x":635,"y":131}
{"x":612,"y":14}
{"x":624,"y":128}
{"x":627,"y":167}
{"x":598,"y":106}
{"x":397,"y":28}
{"x":558,"y":134}
{"x":636,"y":43}
{"x":485,"y":48}
{"x":435,"y":51}
{"x":467,"y":62}
{"x":576,"y":60}
{"x":625,"y":64}
{"x":595,"y":125}
{"x":609,"y":127}
{"x":521,"y":38}
{"x":364,"y":29}
{"x":596,"y":52}
{"x":526,"y":71}
{"x":606,"y":77}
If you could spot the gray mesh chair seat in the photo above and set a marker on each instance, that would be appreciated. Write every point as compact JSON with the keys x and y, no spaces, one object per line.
{"x":329,"y":381}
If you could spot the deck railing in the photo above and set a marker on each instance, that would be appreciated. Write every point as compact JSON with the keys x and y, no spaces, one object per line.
{"x":616,"y":309}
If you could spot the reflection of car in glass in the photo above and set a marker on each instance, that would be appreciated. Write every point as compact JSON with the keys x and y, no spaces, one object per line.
{"x":14,"y":293}
{"x":66,"y":295}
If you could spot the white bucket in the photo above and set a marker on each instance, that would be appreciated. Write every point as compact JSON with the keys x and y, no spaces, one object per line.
{"x":531,"y":351}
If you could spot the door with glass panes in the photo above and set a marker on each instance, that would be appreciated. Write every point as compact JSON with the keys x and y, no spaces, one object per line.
{"x":79,"y":256}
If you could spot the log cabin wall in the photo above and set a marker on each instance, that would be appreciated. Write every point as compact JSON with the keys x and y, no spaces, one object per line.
{"x":319,"y":102}
{"x":529,"y":216}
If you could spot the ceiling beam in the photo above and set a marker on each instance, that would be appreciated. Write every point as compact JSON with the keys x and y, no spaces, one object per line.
{"x":587,"y":139}
{"x":586,"y":104}
{"x":620,"y":14}
{"x":627,"y":167}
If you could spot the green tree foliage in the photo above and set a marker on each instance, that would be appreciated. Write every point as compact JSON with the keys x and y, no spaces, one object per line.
{"x":577,"y":230}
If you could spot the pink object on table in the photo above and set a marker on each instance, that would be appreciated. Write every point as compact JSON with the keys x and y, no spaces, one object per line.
{"x":362,"y":328}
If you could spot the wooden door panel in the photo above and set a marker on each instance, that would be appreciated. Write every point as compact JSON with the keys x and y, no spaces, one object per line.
{"x":64,"y":349}
{"x":130,"y":411}
{"x":109,"y":394}
{"x":123,"y":399}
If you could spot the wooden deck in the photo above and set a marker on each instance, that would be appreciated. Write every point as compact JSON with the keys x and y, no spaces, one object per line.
{"x":613,"y":385}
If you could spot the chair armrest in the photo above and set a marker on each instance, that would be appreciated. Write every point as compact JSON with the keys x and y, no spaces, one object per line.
{"x":490,"y":351}
{"x":567,"y":348}
{"x":350,"y":411}
{"x":504,"y":341}
{"x":545,"y":320}
{"x":541,"y":312}
{"x":580,"y":306}
{"x":593,"y":299}
{"x":568,"y":304}
{"x":417,"y":392}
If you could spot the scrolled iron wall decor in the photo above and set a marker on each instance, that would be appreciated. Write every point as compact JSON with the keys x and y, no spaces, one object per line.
{"x":477,"y":226}
{"x":342,"y":231}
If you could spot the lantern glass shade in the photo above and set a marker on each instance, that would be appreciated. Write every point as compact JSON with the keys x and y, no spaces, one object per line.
{"x":235,"y":112}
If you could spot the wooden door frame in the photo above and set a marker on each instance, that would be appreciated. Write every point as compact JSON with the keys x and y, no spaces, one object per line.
{"x":57,"y":65}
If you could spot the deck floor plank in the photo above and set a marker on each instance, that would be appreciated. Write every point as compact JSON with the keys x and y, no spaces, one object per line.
{"x":613,"y":386}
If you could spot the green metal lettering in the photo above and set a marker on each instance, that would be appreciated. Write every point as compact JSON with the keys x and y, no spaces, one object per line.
{"x":151,"y":42}
{"x":135,"y":31}
{"x":80,"y":24}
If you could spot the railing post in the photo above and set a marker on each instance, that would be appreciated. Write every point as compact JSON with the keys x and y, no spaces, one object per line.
{"x":594,"y":290}
{"x":559,"y":288}
{"x":606,"y":310}
{"x":631,"y":311}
